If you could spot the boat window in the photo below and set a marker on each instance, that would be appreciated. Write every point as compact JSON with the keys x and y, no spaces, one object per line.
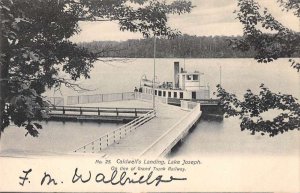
{"x":169,"y":94}
{"x":193,"y":95}
{"x":189,"y":77}
{"x":155,"y":92}
{"x":159,"y":93}
{"x":195,"y":77}
{"x":164,"y":93}
{"x":181,"y":95}
{"x":175,"y":94}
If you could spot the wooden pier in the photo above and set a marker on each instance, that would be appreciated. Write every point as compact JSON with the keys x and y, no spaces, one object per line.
{"x":148,"y":135}
{"x":164,"y":144}
{"x":116,"y":135}
{"x":96,"y":113}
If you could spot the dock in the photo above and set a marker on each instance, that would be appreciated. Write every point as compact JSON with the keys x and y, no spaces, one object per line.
{"x":148,"y":132}
{"x":80,"y":113}
{"x":164,"y":144}
{"x":152,"y":134}
{"x":210,"y":108}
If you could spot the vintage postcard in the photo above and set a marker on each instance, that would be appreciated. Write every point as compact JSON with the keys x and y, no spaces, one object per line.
{"x":150,"y":96}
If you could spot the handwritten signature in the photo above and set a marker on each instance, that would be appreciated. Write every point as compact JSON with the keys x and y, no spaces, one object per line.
{"x":113,"y":179}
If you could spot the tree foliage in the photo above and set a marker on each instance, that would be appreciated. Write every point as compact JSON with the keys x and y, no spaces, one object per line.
{"x":291,"y":5}
{"x":267,"y":36}
{"x":35,"y":47}
{"x":253,"y":108}
{"x":275,"y":42}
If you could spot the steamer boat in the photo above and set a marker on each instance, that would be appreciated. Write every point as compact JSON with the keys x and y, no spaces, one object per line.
{"x":185,"y":86}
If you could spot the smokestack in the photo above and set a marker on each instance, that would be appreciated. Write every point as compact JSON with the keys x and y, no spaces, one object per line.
{"x":176,"y":72}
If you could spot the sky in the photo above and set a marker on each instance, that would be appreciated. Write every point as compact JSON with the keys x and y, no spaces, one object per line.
{"x":208,"y":18}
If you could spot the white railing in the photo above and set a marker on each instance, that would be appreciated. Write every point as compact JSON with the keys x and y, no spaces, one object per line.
{"x":149,"y":97}
{"x":56,"y":101}
{"x":143,"y":96}
{"x":99,"y":98}
{"x":115,"y":135}
{"x":170,"y":138}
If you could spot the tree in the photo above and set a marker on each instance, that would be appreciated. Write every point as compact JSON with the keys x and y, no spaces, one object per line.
{"x":275,"y":42}
{"x":279,"y":42}
{"x":253,"y":108}
{"x":35,"y":49}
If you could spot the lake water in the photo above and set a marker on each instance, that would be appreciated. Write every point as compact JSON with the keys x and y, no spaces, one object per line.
{"x":55,"y":137}
{"x":237,"y":75}
{"x":208,"y":137}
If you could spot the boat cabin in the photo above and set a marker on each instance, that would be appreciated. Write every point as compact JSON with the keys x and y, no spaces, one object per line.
{"x":185,"y":85}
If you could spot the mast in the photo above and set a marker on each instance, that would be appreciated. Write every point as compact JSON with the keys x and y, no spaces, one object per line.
{"x":154,"y":57}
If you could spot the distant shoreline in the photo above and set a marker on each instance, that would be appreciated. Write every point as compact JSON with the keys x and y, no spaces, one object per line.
{"x":184,"y":46}
{"x":118,"y":57}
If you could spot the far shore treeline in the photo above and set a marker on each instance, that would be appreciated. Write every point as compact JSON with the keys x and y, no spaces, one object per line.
{"x":185,"y":46}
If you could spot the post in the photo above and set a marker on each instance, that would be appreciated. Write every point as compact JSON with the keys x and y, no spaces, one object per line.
{"x":80,"y":110}
{"x":135,"y":112}
{"x":98,"y":111}
{"x":117,"y":112}
{"x":114,"y":137}
{"x":63,"y":110}
{"x":100,"y":144}
{"x":107,"y":140}
{"x":154,"y":57}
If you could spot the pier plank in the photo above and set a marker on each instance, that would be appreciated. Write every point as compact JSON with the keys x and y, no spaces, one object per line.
{"x":139,"y":140}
